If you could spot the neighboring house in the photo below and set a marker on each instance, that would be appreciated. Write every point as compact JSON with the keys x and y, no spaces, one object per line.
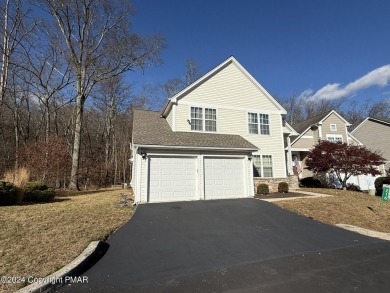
{"x":374,"y":133}
{"x":209,"y":140}
{"x":327,"y":126}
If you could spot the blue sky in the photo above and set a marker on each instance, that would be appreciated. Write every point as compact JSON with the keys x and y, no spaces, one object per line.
{"x":310,"y":48}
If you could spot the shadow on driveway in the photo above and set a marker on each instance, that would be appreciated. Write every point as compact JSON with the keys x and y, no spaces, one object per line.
{"x":238,"y":245}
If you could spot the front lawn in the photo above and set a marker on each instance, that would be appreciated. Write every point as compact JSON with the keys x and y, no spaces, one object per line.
{"x":37,"y":240}
{"x":346,"y":207}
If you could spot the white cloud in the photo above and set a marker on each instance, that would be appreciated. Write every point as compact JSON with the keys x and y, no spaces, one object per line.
{"x":378,"y":77}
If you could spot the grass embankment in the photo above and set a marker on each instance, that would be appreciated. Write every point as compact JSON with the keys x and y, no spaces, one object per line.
{"x":346,"y":207}
{"x":37,"y":240}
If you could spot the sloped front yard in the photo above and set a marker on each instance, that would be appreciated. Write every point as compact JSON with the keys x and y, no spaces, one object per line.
{"x":37,"y":240}
{"x":346,"y":207}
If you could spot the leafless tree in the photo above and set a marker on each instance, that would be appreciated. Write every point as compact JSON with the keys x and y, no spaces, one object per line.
{"x":98,"y":44}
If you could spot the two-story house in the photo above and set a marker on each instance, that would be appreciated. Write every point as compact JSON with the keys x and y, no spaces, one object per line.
{"x":374,"y":133}
{"x":327,"y":126}
{"x":210,"y":140}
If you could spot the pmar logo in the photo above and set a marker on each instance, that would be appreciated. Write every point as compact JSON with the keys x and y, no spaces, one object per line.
{"x":76,"y":280}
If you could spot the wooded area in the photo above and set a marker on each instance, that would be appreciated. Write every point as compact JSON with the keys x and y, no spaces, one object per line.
{"x":65,"y":104}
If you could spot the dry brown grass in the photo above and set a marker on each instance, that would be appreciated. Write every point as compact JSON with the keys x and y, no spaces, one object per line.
{"x":37,"y":240}
{"x":347,"y":207}
{"x":18,"y":177}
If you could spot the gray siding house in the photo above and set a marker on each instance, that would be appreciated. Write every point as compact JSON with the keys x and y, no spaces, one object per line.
{"x":374,"y":133}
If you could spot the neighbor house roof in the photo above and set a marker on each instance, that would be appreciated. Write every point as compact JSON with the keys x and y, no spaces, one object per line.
{"x":378,"y":120}
{"x":301,"y":127}
{"x":149,"y":128}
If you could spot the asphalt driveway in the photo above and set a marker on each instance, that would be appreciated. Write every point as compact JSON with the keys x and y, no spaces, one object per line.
{"x":240,"y":245}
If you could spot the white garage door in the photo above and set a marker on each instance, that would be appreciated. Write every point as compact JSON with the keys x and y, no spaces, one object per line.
{"x":172,"y":179}
{"x":224,"y":178}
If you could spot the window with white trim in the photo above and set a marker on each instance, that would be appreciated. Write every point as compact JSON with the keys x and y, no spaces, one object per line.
{"x":253,"y":123}
{"x":200,"y":122}
{"x":334,"y":138}
{"x":262,"y":166}
{"x":333,"y":127}
{"x":210,"y":119}
{"x":258,"y":123}
{"x":196,"y":118}
{"x":267,"y":166}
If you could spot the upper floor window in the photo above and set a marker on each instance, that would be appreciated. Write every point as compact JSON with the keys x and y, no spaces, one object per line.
{"x":196,"y":118}
{"x":208,"y":121}
{"x":334,"y":138}
{"x":258,"y":123}
{"x":333,"y":127}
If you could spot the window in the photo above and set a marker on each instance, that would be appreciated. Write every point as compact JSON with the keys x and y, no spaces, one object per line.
{"x":258,"y":123}
{"x":200,"y":122}
{"x":264,"y":124}
{"x":196,"y":118}
{"x":210,"y":120}
{"x":267,"y":166}
{"x":256,"y":166}
{"x":334,"y":138}
{"x":253,"y":123}
{"x":333,"y":127}
{"x":262,"y":166}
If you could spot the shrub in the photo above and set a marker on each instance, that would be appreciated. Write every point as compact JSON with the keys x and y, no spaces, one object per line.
{"x":379,"y":184}
{"x":37,"y":191}
{"x":262,"y":189}
{"x":310,"y":182}
{"x":283,"y":187}
{"x":8,"y":194}
{"x":353,"y":187}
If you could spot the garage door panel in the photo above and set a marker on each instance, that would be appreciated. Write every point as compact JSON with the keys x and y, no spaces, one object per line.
{"x":224,"y":178}
{"x":172,"y":178}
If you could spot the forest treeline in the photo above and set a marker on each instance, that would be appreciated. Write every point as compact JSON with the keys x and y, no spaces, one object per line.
{"x":66,"y":94}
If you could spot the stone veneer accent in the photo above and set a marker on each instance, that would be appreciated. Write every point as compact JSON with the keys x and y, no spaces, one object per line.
{"x":274,"y":182}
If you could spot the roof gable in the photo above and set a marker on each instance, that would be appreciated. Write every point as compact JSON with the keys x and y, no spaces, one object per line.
{"x":221,"y":82}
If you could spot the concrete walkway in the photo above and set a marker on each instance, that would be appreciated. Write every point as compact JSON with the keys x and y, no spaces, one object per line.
{"x":313,"y":195}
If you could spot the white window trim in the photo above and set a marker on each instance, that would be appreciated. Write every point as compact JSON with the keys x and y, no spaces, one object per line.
{"x":258,"y":123}
{"x":203,"y":118}
{"x":335,"y":127}
{"x":334,"y":135}
{"x":262,"y":165}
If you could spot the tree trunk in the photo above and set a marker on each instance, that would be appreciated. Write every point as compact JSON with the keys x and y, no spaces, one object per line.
{"x":74,"y":180}
{"x":5,"y":57}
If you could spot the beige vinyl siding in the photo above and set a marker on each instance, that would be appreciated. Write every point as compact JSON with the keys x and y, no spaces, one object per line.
{"x":143,"y":191}
{"x":375,"y":136}
{"x":305,"y":141}
{"x":182,"y":115}
{"x":352,"y":141}
{"x":268,"y":144}
{"x":230,"y":87}
{"x":341,"y":129}
{"x":169,"y":118}
{"x":316,"y":135}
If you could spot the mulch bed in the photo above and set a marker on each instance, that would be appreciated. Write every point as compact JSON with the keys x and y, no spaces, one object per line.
{"x":280,"y":195}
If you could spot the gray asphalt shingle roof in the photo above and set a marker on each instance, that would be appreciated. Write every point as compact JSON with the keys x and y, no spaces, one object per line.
{"x":150,"y":129}
{"x":302,"y":126}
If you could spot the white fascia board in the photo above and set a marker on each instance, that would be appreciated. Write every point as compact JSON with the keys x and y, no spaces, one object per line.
{"x":338,"y":115}
{"x":292,"y":130}
{"x":196,"y":148}
{"x":379,"y":120}
{"x":299,"y":149}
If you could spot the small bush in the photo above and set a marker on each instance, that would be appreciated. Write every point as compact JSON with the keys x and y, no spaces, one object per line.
{"x":262,"y":189}
{"x":8,"y":194}
{"x":379,"y":184}
{"x":310,"y":182}
{"x":353,"y":187}
{"x":283,"y":187}
{"x":38,"y":192}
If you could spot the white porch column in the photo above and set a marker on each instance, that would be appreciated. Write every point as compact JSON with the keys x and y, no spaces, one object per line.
{"x":289,"y":157}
